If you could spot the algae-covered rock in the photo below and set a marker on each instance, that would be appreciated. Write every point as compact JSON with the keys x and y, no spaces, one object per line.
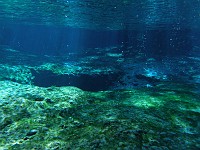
{"x":69,"y":118}
{"x":19,"y":73}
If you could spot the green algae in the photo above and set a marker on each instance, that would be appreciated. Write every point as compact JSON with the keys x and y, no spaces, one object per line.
{"x":18,"y":73}
{"x":69,"y":118}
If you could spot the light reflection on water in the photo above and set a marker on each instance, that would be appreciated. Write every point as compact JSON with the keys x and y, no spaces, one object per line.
{"x":104,"y":14}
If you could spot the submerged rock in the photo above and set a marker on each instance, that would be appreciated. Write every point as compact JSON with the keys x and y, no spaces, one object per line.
{"x":32,"y":132}
{"x":67,"y":117}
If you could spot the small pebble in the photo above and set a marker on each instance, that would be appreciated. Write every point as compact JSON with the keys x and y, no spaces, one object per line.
{"x":49,"y":101}
{"x":32,"y":132}
{"x":45,"y":129}
{"x":151,"y":132}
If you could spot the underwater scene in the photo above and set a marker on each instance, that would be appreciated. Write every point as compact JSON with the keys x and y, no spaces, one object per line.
{"x":99,"y":74}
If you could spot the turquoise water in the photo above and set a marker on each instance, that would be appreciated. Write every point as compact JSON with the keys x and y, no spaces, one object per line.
{"x":107,"y":14}
{"x":99,"y":75}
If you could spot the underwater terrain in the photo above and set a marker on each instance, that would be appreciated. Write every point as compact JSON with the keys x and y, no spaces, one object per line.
{"x":146,"y":109}
{"x":99,"y":75}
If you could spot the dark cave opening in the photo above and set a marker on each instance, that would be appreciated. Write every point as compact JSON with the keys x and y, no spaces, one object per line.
{"x":86,"y":82}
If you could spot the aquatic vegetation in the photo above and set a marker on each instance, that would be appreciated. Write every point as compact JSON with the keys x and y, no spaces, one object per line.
{"x":67,"y":117}
{"x":150,"y":72}
{"x":114,"y":54}
{"x":19,"y":73}
{"x":83,"y":66}
{"x":99,"y":75}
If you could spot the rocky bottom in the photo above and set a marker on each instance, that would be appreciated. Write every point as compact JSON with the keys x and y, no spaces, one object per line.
{"x":162,"y":117}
